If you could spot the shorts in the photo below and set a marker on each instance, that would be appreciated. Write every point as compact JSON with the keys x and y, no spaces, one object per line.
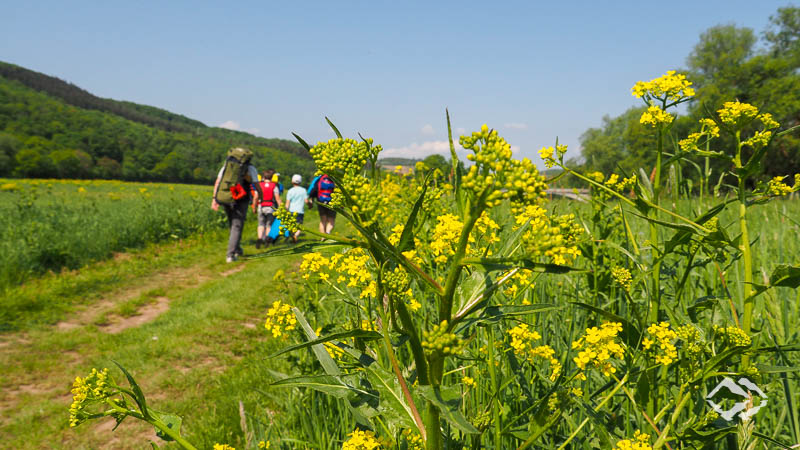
{"x":265,"y":219}
{"x":299,"y":218}
{"x":324,"y":211}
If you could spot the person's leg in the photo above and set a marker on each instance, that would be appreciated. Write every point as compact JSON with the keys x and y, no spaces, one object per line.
{"x":238,"y":216}
{"x":269,"y":219}
{"x":262,"y":229}
{"x":323,"y":217}
{"x":331,"y":223}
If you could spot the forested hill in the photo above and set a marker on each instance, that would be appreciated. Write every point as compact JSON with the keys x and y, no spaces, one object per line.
{"x":54,"y":129}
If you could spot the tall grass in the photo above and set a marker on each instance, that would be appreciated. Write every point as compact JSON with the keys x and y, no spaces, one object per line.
{"x":50,"y":225}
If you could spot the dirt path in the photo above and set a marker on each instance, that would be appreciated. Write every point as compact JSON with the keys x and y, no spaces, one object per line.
{"x":43,"y":362}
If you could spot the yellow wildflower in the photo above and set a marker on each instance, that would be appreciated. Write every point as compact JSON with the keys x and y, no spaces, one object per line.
{"x":665,"y":352}
{"x":776,"y":186}
{"x":597,"y":347}
{"x":671,"y":86}
{"x":361,"y":440}
{"x":622,"y":277}
{"x":223,"y":447}
{"x":547,"y":155}
{"x":468,"y":381}
{"x":280,"y":319}
{"x":655,"y":116}
{"x":736,"y":114}
{"x":639,"y":442}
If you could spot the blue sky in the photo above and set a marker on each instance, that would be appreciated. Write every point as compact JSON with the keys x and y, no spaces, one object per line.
{"x":532,"y":70}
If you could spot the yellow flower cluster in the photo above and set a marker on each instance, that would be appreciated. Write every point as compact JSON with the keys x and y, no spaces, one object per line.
{"x":280,"y":319}
{"x":350,"y":267}
{"x":445,"y":237}
{"x":618,"y":185}
{"x":655,"y":116}
{"x":622,"y":277}
{"x":693,"y":345}
{"x":339,"y":156}
{"x":776,"y":186}
{"x":758,"y":140}
{"x":396,"y":284}
{"x":288,"y":220}
{"x":468,"y":381}
{"x":263,"y":445}
{"x":737,"y":114}
{"x":96,"y":387}
{"x":413,"y":440}
{"x":640,"y":441}
{"x":663,"y":336}
{"x":495,"y":175}
{"x":597,"y":347}
{"x":551,"y":237}
{"x":671,"y":86}
{"x":361,"y":440}
{"x":733,"y":336}
{"x":521,"y":343}
{"x":546,"y":153}
{"x":519,"y":282}
{"x":366,"y":200}
{"x":223,"y":447}
{"x":439,"y":340}
{"x":488,"y":231}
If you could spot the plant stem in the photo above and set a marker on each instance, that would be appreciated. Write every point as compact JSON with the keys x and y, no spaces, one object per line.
{"x":493,"y":378}
{"x":747,"y":258}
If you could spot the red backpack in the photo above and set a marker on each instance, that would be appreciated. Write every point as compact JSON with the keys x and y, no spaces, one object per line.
{"x":268,"y":189}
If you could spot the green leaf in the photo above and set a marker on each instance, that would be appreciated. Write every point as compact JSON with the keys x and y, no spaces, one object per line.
{"x":448,"y":403}
{"x":324,"y":383}
{"x":494,"y":314}
{"x":785,"y":276}
{"x":328,"y":364}
{"x":307,"y":247}
{"x":301,"y":141}
{"x":171,"y":421}
{"x":137,"y":391}
{"x":407,"y":237}
{"x":335,"y":130}
{"x":360,"y":334}
{"x":510,"y":263}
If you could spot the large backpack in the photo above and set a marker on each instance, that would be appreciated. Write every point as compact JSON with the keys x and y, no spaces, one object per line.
{"x":325,"y":189}
{"x":232,"y":186}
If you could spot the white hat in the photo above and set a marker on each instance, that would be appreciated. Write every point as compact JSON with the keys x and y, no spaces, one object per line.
{"x":297,"y":179}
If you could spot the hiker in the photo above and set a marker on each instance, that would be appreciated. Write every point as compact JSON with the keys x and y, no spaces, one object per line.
{"x":296,"y":202}
{"x":232,"y":191}
{"x":267,"y":205}
{"x":321,"y":189}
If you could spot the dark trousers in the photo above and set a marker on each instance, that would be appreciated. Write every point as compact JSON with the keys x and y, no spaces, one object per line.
{"x":236,"y":215}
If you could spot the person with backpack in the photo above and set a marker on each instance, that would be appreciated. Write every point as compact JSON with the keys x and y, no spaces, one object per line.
{"x":296,"y":202}
{"x":232,"y":191}
{"x":321,"y":189}
{"x":267,"y":205}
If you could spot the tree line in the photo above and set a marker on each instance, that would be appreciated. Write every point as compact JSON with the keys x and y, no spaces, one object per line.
{"x":52,"y":129}
{"x":728,"y":63}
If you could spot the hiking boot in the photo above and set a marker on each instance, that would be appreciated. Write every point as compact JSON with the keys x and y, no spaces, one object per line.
{"x":258,"y":243}
{"x":231,"y":259}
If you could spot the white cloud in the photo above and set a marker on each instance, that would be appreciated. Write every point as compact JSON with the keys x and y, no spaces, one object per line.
{"x":235,"y":126}
{"x":516,"y":125}
{"x":420,"y":151}
{"x":231,"y":125}
{"x":427,"y":129}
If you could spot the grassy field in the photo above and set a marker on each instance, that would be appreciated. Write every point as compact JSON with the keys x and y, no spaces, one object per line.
{"x":50,"y":225}
{"x":187,"y":324}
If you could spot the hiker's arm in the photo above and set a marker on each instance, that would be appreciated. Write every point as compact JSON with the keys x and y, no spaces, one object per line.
{"x":276,"y":194}
{"x":214,"y":204}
